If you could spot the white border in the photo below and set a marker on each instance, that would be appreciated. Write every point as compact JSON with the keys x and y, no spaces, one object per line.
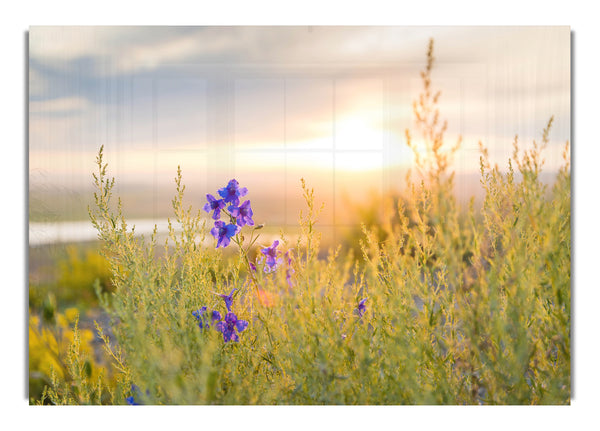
{"x":20,"y":16}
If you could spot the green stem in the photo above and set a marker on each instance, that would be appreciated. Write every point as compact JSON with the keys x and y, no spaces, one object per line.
{"x":244,"y":254}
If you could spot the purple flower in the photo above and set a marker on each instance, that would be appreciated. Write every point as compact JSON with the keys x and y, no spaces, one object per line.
{"x":215,"y":315}
{"x":223,"y":232}
{"x":271,"y":254}
{"x":228,"y":300}
{"x":215,"y":205}
{"x":362,"y":308}
{"x":288,"y":276}
{"x":229,"y":326}
{"x":232,"y":193}
{"x":242,"y":214}
{"x":136,"y":392}
{"x":200,"y":316}
{"x":289,"y":271}
{"x":252,"y":266}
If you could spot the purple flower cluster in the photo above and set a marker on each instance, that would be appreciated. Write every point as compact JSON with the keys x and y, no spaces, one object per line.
{"x":362,"y":308}
{"x":227,"y":326}
{"x":239,"y":215}
{"x":135,"y":392}
{"x":242,"y":214}
{"x":202,"y":318}
{"x":223,"y":233}
{"x":271,"y":255}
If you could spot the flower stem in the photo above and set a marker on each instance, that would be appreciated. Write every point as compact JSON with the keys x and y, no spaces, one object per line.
{"x":244,"y":255}
{"x":244,"y":252}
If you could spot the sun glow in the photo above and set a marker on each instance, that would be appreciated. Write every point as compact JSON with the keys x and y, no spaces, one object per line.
{"x":356,"y":145}
{"x":359,"y":161}
{"x":357,"y":133}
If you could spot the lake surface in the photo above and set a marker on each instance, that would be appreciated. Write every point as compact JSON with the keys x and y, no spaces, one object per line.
{"x":44,"y":233}
{"x":47,"y":233}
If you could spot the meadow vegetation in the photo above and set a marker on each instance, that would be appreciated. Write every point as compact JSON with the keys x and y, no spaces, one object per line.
{"x":436,"y":304}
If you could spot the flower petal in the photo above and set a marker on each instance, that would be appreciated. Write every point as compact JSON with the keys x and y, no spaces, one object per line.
{"x":241,"y":325}
{"x":215,"y":316}
{"x":228,"y":335}
{"x":231,"y":230}
{"x":230,"y":318}
{"x":223,"y":241}
{"x":228,"y":299}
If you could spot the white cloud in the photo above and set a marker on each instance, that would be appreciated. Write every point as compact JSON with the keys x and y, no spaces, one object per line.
{"x":130,"y":49}
{"x":62,"y":105}
{"x":58,"y":43}
{"x":38,"y":83}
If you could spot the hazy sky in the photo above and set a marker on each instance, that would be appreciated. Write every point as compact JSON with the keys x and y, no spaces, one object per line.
{"x":271,"y":104}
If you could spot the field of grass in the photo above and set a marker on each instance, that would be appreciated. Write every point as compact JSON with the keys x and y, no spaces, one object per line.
{"x":426,"y":301}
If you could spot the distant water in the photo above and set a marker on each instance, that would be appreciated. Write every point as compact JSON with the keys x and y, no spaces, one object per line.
{"x":79,"y":231}
{"x":46,"y":233}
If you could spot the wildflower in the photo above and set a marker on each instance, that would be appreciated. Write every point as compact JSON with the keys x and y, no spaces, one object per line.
{"x":232,"y":193}
{"x":289,"y":271}
{"x":252,"y":266}
{"x":131,"y":401}
{"x":361,"y":308}
{"x":229,"y":326}
{"x":223,"y":232}
{"x":136,"y":392}
{"x":271,"y":254}
{"x":200,"y":316}
{"x":228,"y":300}
{"x":242,"y":214}
{"x":288,"y":276}
{"x":215,"y":205}
{"x":215,"y":315}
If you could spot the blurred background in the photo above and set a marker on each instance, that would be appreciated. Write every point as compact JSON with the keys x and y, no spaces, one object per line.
{"x":268,"y":106}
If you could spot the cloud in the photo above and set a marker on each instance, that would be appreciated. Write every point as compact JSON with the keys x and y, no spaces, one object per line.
{"x":136,"y":88}
{"x":134,"y":49}
{"x":38,"y":83}
{"x":117,"y":49}
{"x":63,"y":43}
{"x":59,"y":106}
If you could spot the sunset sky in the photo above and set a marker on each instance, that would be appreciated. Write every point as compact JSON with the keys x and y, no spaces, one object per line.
{"x":268,"y":105}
